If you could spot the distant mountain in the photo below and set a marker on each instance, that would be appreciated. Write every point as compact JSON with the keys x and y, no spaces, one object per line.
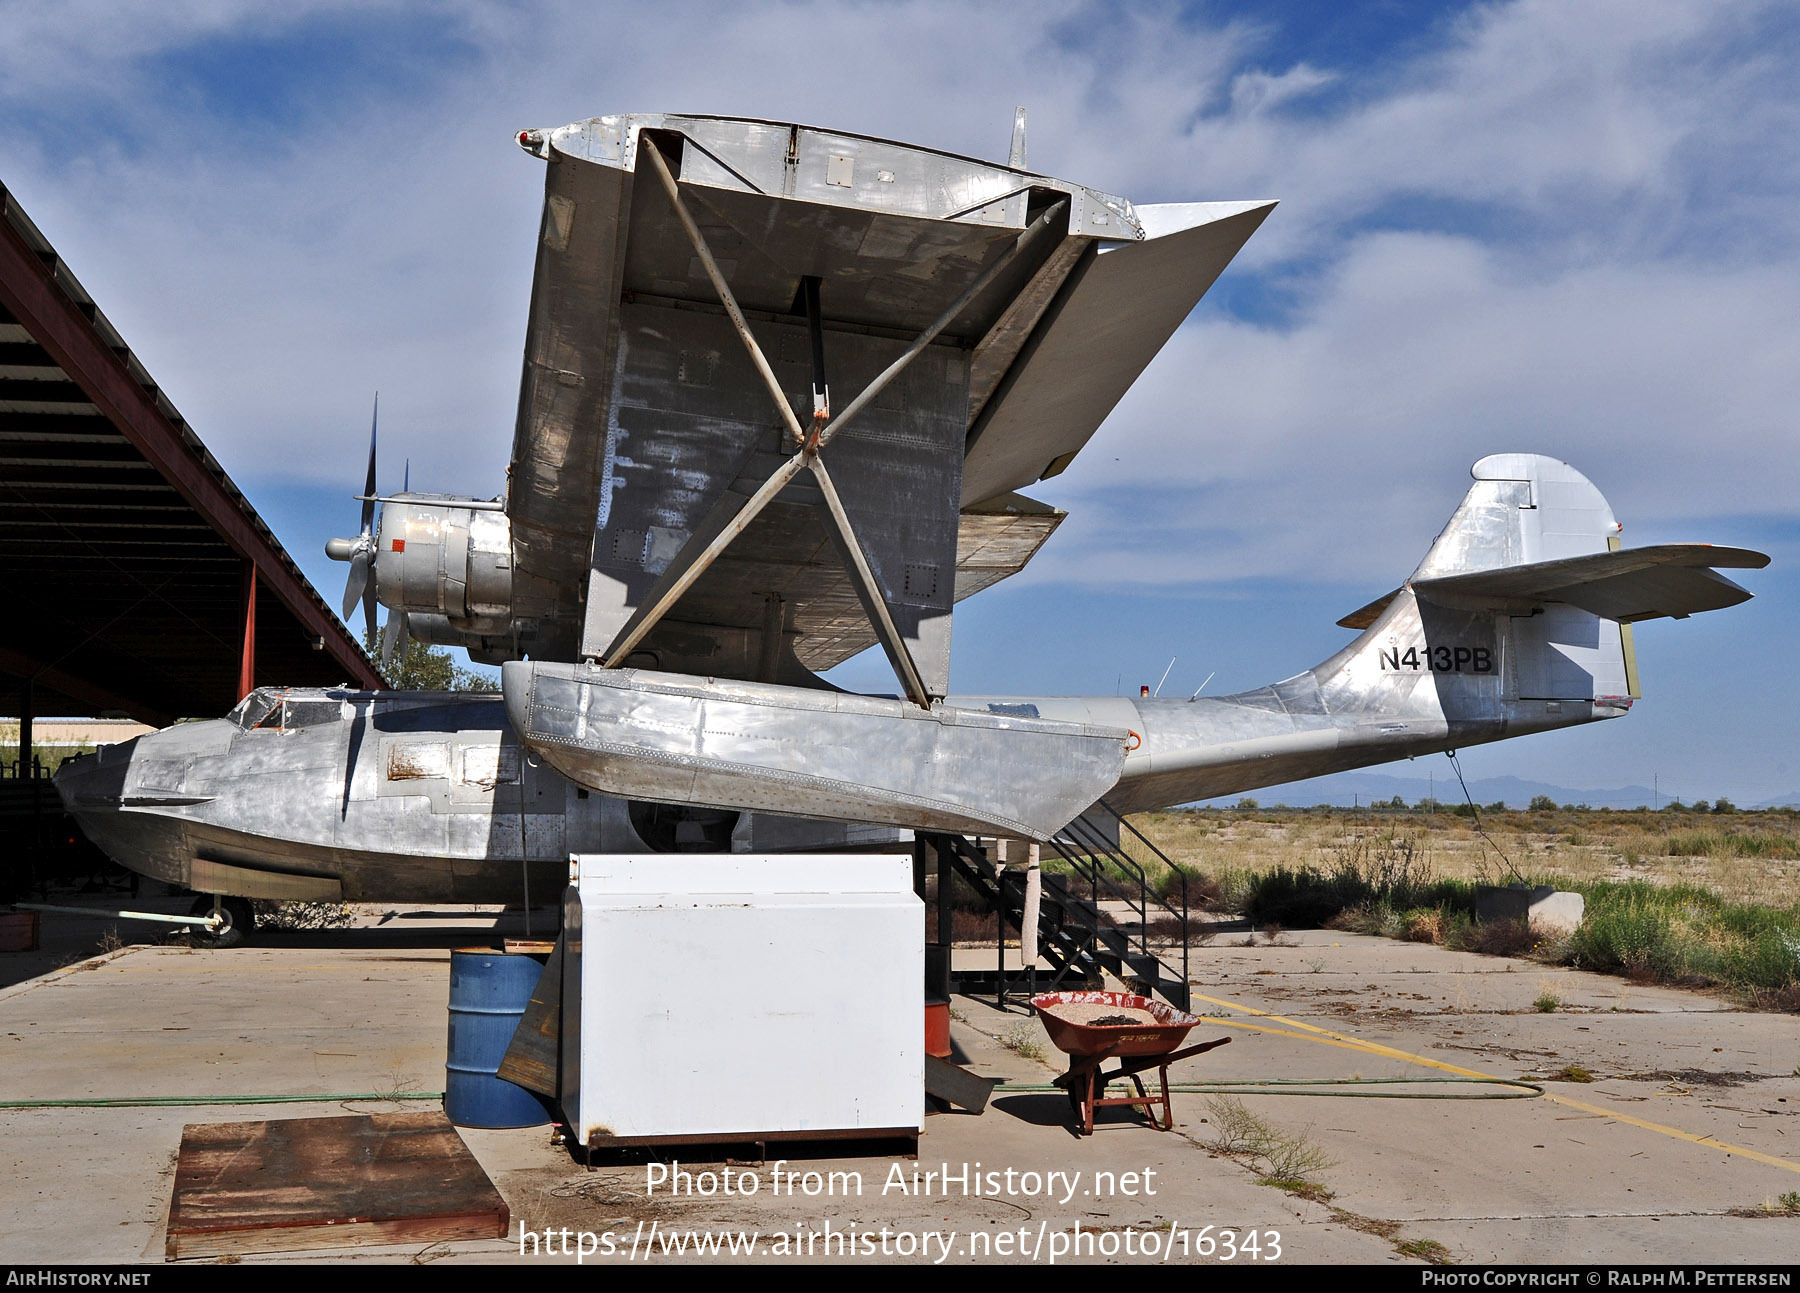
{"x":1346,"y":789}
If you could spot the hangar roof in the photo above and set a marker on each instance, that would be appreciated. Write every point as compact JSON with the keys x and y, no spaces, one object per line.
{"x":125,"y":549}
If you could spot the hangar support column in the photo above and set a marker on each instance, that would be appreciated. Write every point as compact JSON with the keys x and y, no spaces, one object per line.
{"x":247,"y":658}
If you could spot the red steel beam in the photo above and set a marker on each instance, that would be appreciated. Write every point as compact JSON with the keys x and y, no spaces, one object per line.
{"x":247,"y":659}
{"x":28,"y":289}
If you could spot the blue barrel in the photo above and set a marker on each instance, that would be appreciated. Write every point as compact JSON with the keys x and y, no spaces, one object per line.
{"x":488,"y":995}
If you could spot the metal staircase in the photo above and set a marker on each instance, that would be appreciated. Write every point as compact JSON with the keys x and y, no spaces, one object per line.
{"x":1095,"y":917}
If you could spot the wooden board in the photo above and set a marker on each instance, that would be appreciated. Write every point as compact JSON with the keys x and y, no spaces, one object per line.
{"x":387,"y":1178}
{"x":535,"y":1051}
{"x":956,"y":1084}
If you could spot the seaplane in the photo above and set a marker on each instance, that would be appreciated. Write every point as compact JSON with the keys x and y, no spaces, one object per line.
{"x":782,"y":390}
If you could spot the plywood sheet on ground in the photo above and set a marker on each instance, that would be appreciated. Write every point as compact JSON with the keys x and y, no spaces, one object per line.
{"x":257,"y":1187}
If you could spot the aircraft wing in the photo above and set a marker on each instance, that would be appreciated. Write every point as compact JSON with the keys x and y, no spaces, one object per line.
{"x":1008,"y":312}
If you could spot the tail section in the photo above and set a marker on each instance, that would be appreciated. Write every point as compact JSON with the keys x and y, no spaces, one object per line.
{"x":1526,"y":598}
{"x":1518,"y":620}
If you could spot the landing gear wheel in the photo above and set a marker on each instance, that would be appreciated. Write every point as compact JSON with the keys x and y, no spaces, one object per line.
{"x":239,"y":919}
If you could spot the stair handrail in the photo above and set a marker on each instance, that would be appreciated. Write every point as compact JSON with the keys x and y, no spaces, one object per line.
{"x":1084,"y":833}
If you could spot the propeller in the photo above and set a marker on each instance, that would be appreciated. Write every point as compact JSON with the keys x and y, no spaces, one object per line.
{"x":394,"y":636}
{"x":360,"y":553}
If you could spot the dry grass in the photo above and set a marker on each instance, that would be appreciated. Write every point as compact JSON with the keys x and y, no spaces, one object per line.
{"x":1288,"y":1160}
{"x":1026,"y":1040}
{"x":1425,"y":1250}
{"x":1672,"y":897}
{"x":1425,"y":927}
{"x":1743,"y":857}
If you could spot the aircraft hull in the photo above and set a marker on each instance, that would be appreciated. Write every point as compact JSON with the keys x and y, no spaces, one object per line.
{"x":375,"y":797}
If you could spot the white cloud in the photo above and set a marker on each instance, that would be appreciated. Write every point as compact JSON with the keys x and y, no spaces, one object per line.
{"x":1567,"y":228}
{"x":1671,"y":386}
{"x":1615,"y":287}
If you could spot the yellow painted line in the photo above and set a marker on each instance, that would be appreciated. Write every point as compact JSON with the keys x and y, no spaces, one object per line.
{"x":1348,"y":1043}
{"x":1311,"y":1033}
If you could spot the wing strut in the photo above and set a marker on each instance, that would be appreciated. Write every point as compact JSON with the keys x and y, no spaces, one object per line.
{"x":678,"y":579}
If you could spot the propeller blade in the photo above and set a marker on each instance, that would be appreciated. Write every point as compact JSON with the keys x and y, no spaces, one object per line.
{"x":358,"y":581}
{"x":368,"y":507}
{"x":393,"y":635}
{"x":368,"y":601}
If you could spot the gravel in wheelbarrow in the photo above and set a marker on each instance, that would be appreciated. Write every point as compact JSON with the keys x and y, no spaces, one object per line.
{"x":1111,"y":1023}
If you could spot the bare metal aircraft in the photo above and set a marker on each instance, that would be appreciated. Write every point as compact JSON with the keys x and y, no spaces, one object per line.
{"x":781,"y":386}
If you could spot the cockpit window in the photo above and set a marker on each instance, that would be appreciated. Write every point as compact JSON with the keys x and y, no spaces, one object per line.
{"x":252,"y":711}
{"x":272,"y":709}
{"x":310,"y":712}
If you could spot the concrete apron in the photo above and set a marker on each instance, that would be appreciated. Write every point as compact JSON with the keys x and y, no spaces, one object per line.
{"x":1687,"y":1127}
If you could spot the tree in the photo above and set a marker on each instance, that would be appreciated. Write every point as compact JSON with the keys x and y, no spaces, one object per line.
{"x":424,"y":668}
{"x":1542,"y":804}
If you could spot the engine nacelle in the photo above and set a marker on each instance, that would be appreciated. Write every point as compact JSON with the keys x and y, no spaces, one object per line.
{"x":483,"y":648}
{"x":437,"y":556}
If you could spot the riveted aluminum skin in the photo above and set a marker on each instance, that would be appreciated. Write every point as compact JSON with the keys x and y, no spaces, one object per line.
{"x":810,"y":753}
{"x":380,"y":796}
{"x":644,"y":424}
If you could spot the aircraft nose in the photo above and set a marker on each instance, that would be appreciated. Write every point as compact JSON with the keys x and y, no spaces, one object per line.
{"x":94,"y":780}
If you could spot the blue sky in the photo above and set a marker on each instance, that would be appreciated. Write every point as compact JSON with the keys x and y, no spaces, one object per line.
{"x":1561,"y":228}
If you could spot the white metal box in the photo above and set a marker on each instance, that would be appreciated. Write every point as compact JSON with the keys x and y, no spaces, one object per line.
{"x":731,"y":996}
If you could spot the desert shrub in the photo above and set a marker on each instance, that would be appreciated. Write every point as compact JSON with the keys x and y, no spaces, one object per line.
{"x":1501,"y":938}
{"x":1197,"y":931}
{"x":1682,"y":933}
{"x":1203,"y":893}
{"x":1768,"y":960}
{"x":965,"y":926}
{"x":1730,"y":843}
{"x":1288,"y":1158}
{"x":1300,"y":898}
{"x":1628,"y":933}
{"x":1425,"y":927}
{"x":1392,"y":871}
{"x":302,"y":915}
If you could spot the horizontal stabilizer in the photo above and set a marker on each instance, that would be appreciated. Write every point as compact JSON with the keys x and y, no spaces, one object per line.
{"x":1366,"y":616}
{"x":1672,"y":579}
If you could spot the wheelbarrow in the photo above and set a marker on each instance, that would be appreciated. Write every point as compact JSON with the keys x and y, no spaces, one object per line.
{"x":1142,"y":1034}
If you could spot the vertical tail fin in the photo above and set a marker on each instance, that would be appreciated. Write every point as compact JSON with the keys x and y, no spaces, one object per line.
{"x":1491,"y":662}
{"x":1523,"y":508}
{"x":1526,"y":508}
